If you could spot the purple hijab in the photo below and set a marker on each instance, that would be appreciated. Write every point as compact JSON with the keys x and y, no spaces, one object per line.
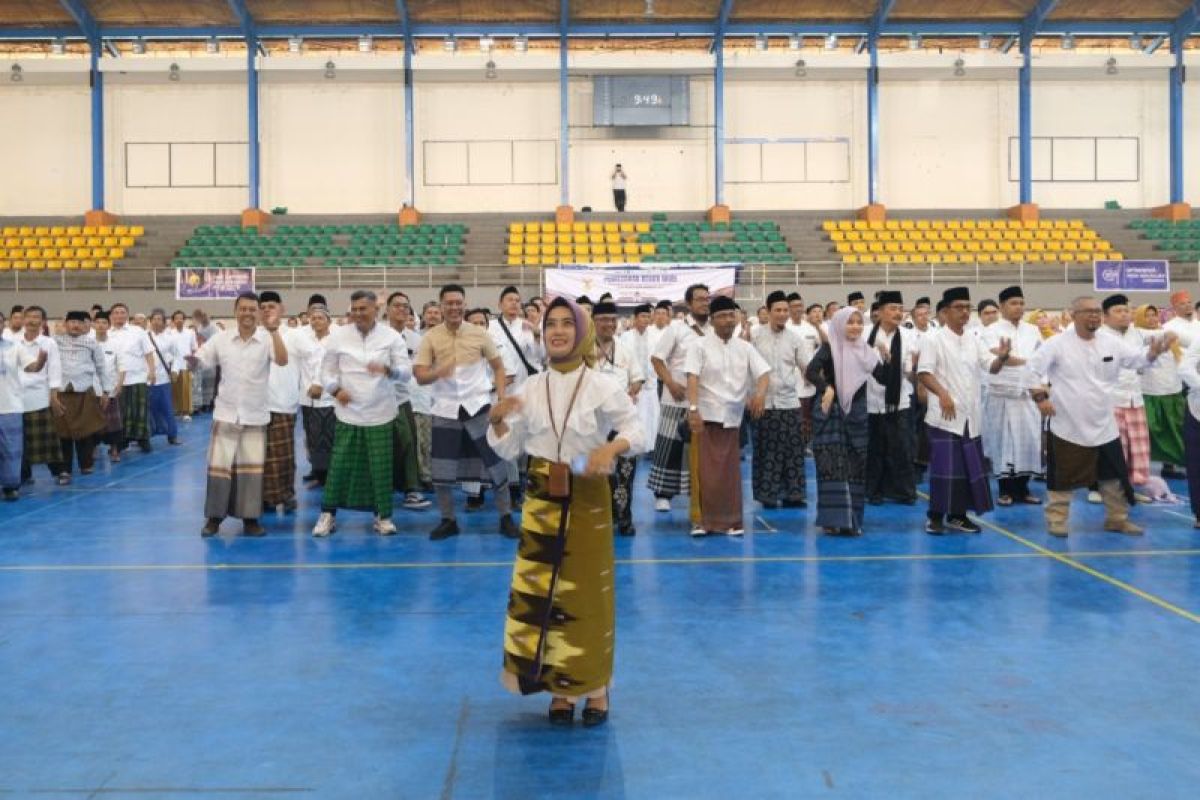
{"x":853,"y":361}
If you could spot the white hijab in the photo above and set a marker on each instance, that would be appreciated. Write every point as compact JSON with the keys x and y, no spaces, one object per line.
{"x":853,"y":361}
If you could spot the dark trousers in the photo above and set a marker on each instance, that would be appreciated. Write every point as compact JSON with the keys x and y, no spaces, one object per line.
{"x":1016,"y":488}
{"x":78,"y":449}
{"x":619,"y":199}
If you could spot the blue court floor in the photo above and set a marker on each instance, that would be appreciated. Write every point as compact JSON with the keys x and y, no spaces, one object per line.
{"x":139,"y":661}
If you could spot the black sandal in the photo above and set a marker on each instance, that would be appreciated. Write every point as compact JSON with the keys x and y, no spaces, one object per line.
{"x":595,"y":716}
{"x":562,"y":716}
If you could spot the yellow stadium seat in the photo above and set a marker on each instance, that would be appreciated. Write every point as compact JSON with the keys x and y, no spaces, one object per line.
{"x":934,"y":258}
{"x":983,"y":258}
{"x":37,"y":264}
{"x":891,"y":225}
{"x":1070,"y":246}
{"x":25,"y":230}
{"x":516,"y":227}
{"x":546,"y":260}
{"x":1075,"y":224}
{"x":547,"y":250}
{"x":71,"y":263}
{"x":61,"y":241}
{"x":625,"y":227}
{"x":563,"y":238}
{"x":5,"y":265}
{"x":531,"y":249}
{"x":859,"y":225}
{"x":845,"y":225}
{"x":54,"y":264}
{"x":613,"y":249}
{"x":1103,"y":246}
{"x":90,"y":230}
{"x":612,"y":238}
{"x":41,"y":230}
{"x":900,"y":258}
{"x":87,"y":263}
{"x":850,"y":259}
{"x":646,"y":249}
{"x":121,"y":230}
{"x":10,"y":230}
{"x":514,"y":249}
{"x":20,"y":264}
{"x":868,"y":259}
{"x":969,"y":225}
{"x":562,"y":227}
{"x":578,"y":227}
{"x":875,"y":225}
{"x":1114,"y":256}
{"x":599,"y":258}
{"x":566,"y":249}
{"x":1074,"y":235}
{"x":45,"y":241}
{"x":595,"y":227}
{"x":514,"y":260}
{"x":611,"y":227}
{"x":547,"y":227}
{"x":891,"y":247}
{"x":898,"y":236}
{"x":596,"y":238}
{"x":629,"y":249}
{"x":837,"y":236}
{"x":1087,"y":246}
{"x":908,"y":247}
{"x":828,"y":226}
{"x":105,"y":230}
{"x":907,"y":225}
{"x":843,"y":248}
{"x":874,"y":247}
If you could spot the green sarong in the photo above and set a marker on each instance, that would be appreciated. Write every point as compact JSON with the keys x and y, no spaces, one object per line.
{"x":360,"y":471}
{"x":406,"y":469}
{"x":1164,"y":418}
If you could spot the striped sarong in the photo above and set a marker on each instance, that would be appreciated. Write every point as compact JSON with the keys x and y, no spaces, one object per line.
{"x":461,"y":452}
{"x":12,"y":445}
{"x":406,"y":468}
{"x":319,"y":425}
{"x":958,"y":476}
{"x":360,"y":472}
{"x":839,"y":443}
{"x":135,"y":412}
{"x":279,"y":467}
{"x":181,"y":392}
{"x":669,"y":467}
{"x":1135,"y":441}
{"x":235,"y":471}
{"x":41,"y":439}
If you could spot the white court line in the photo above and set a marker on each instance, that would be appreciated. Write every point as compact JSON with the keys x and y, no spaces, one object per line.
{"x":765,"y":524}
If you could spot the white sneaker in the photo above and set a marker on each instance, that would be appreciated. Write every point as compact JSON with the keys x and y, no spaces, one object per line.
{"x":662,"y":504}
{"x":384,"y":527}
{"x":186,"y":418}
{"x":415,"y":501}
{"x":1094,"y":497}
{"x":326,"y":524}
{"x":698,"y":531}
{"x":735,"y":531}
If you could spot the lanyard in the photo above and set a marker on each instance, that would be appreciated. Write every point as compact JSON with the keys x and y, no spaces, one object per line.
{"x":558,"y":436}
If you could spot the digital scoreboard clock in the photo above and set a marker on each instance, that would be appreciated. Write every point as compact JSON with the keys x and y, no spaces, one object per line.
{"x":639,"y":100}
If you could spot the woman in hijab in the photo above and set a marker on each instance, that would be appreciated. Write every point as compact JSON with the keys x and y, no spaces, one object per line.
{"x":1162,"y":390}
{"x":559,"y":635}
{"x":1040,"y":320}
{"x":839,"y":371}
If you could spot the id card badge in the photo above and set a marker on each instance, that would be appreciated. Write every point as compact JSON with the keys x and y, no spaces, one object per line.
{"x":559,"y":485}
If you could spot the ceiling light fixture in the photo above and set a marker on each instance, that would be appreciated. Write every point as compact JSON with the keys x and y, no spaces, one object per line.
{"x":649,"y":10}
{"x":1135,"y":42}
{"x":1068,"y":42}
{"x":16,"y":74}
{"x":173,"y":73}
{"x":295,"y":44}
{"x":795,"y":41}
{"x":58,"y":47}
{"x":831,"y":42}
{"x":1110,"y":67}
{"x":801,"y":69}
{"x":139,"y":47}
{"x":365,"y":44}
{"x":330,"y":70}
{"x":761,"y":43}
{"x":914,"y":42}
{"x":486,"y":43}
{"x":212,"y":46}
{"x":521,"y":43}
{"x":449,"y":44}
{"x":489,"y":71}
{"x":985,"y":41}
{"x":959,"y":70}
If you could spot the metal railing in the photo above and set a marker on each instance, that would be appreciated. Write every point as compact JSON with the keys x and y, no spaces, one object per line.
{"x":751,"y":276}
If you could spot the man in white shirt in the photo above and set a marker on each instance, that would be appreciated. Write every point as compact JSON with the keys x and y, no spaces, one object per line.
{"x":406,"y":467}
{"x":799,"y":321}
{"x":16,"y":324}
{"x":283,"y":402}
{"x":637,"y":339}
{"x":244,"y":354}
{"x":454,"y":358}
{"x":86,"y":390}
{"x":361,"y":361}
{"x":316,"y":405}
{"x":1081,"y":365}
{"x":136,"y":363}
{"x":518,"y":341}
{"x":615,"y":359}
{"x":890,"y":455}
{"x":1185,"y":324}
{"x":113,"y":430}
{"x":726,"y":377}
{"x":39,"y":394}
{"x":618,"y":188}
{"x":162,"y":402}
{"x":14,"y":363}
{"x":949,"y":367}
{"x":777,"y":472}
{"x":1012,"y":427}
{"x":1126,"y":393}
{"x":672,"y":459}
{"x":181,"y":376}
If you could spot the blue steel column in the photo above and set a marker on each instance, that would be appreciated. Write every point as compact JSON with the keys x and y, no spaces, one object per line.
{"x":252,"y":107}
{"x":1025,"y":119}
{"x":719,"y":124}
{"x":564,"y":144}
{"x":97,"y":127}
{"x":873,"y":124}
{"x":409,"y":148}
{"x":1177,"y":76}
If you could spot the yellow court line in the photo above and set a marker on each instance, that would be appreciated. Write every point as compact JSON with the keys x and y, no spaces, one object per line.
{"x":403,"y":565}
{"x":1084,"y":568}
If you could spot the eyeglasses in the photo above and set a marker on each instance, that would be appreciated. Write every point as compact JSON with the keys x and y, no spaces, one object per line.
{"x":1089,"y":311}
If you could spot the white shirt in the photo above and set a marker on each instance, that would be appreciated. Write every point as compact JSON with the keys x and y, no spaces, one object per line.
{"x":727,"y":369}
{"x":618,"y":361}
{"x":245,"y":372}
{"x":9,"y":335}
{"x":1013,"y":382}
{"x":347,"y":354}
{"x":283,"y":387}
{"x":185,"y":345}
{"x":787,"y":354}
{"x":526,"y":346}
{"x":672,"y":349}
{"x":420,"y":396}
{"x":955,"y":361}
{"x":1162,"y":377}
{"x":1188,"y":331}
{"x":812,"y":342}
{"x":1127,"y":391}
{"x":618,"y":181}
{"x":132,"y":346}
{"x":1189,"y":373}
{"x":600,"y":407}
{"x":638,"y":345}
{"x":36,"y":386}
{"x":168,"y":345}
{"x":1081,"y":374}
{"x":405,"y":389}
{"x":876,"y":391}
{"x":110,"y":359}
{"x":310,"y":369}
{"x":13,"y":360}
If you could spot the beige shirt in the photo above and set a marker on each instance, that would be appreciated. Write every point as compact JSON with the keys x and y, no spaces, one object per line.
{"x":469,"y":348}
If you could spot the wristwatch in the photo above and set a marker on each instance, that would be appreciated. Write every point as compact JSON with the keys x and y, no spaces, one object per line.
{"x":693,"y":408}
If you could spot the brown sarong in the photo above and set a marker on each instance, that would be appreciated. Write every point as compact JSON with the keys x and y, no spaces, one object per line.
{"x":719,"y":477}
{"x":1071,"y":466}
{"x":83,"y":416}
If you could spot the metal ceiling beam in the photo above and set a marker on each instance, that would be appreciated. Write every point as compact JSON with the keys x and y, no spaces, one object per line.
{"x":1152,"y":46}
{"x":238,"y":7}
{"x":1185,"y":23}
{"x":406,"y":24}
{"x":1033,"y":21}
{"x":880,"y":17}
{"x":722,"y":22}
{"x":83,"y":17}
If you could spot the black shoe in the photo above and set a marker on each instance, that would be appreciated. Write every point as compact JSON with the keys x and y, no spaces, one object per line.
{"x":934,"y":527}
{"x":445,"y":529}
{"x":594,"y":716}
{"x":627,"y":530}
{"x":11,"y":495}
{"x":800,"y":503}
{"x":516,"y":495}
{"x":308,"y":478}
{"x":962,"y":525}
{"x":475,"y":502}
{"x":508,"y":528}
{"x":562,"y":716}
{"x":211,"y":527}
{"x":252,"y":527}
{"x":174,"y":442}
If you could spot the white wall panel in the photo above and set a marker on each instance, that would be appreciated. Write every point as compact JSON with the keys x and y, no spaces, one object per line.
{"x":45,"y":150}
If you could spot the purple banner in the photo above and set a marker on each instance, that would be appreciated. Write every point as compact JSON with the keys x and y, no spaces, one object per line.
{"x":1132,"y":276}
{"x":210,"y":283}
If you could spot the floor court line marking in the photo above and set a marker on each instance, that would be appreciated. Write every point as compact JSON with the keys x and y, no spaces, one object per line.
{"x":1166,"y":605}
{"x":766,"y":524}
{"x":414,"y":565}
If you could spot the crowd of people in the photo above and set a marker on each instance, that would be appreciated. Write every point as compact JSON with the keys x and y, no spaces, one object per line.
{"x":549,"y":404}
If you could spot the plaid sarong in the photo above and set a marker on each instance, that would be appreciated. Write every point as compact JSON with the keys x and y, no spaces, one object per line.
{"x":41,"y":439}
{"x":461,"y":452}
{"x":1135,"y":441}
{"x":958,"y":477}
{"x":669,"y":467}
{"x":235,"y":471}
{"x":425,"y":446}
{"x":12,"y":445}
{"x":406,"y":469}
{"x":279,"y":468}
{"x":135,"y":411}
{"x":360,"y":473}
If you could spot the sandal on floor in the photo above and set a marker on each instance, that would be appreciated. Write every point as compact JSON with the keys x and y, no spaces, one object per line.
{"x":1004,"y":500}
{"x":1031,"y":500}
{"x":596,"y":716}
{"x":564,"y":715}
